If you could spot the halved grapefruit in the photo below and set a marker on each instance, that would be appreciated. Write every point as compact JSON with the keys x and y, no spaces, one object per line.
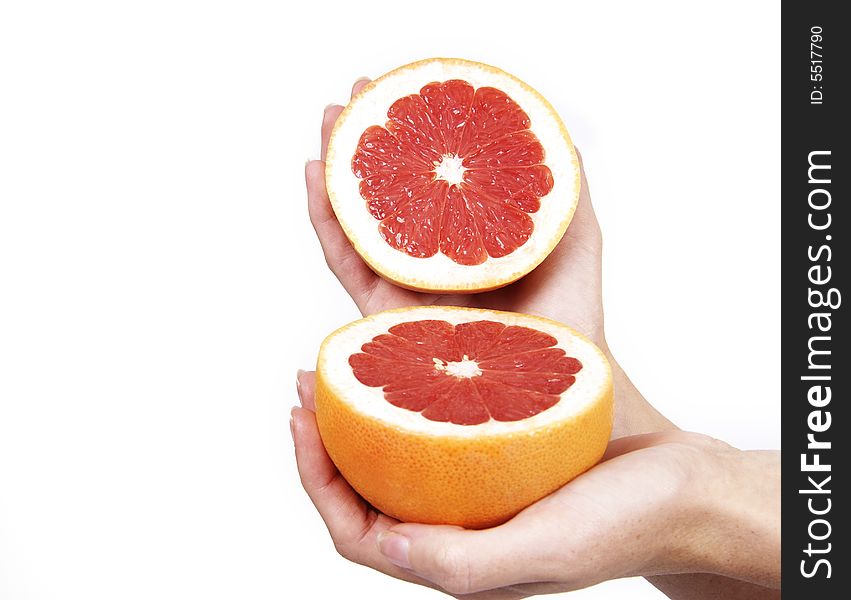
{"x":451,"y":175}
{"x":458,"y":415}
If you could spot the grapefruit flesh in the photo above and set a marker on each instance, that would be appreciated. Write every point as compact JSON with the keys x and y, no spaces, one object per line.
{"x":454,"y":170}
{"x":461,"y":416}
{"x":467,"y":373}
{"x":451,"y":175}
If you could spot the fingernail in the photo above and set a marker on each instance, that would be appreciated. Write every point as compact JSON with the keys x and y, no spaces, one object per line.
{"x":395,"y":548}
{"x":292,"y":424}
{"x":298,"y":375}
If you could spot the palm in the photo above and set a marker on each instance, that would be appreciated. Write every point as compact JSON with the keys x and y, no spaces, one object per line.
{"x":566,"y":286}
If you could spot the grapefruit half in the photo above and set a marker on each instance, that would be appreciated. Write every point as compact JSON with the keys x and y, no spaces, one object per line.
{"x":451,"y":175}
{"x":461,"y":416}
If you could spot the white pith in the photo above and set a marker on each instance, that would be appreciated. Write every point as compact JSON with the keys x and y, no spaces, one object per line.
{"x":464,"y":368}
{"x":450,"y":169}
{"x":333,"y":365}
{"x":439,"y":272}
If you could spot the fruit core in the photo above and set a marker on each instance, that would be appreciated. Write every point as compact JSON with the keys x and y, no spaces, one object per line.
{"x":455,"y":170}
{"x":462,"y":368}
{"x":467,"y":373}
{"x":450,"y":169}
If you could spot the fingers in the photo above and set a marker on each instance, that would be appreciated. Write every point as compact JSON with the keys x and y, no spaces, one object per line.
{"x":357,"y":278}
{"x":584,"y":222}
{"x":305,"y":382}
{"x":366,"y":288}
{"x":329,"y":117}
{"x":353,"y":524}
{"x":560,"y":539}
{"x":632,"y":443}
{"x":441,"y":556}
{"x":359,"y":84}
{"x":583,"y":238}
{"x":463,"y":561}
{"x":332,"y":111}
{"x":356,"y":528}
{"x":581,"y":166}
{"x":345,"y":514}
{"x":551,"y":541}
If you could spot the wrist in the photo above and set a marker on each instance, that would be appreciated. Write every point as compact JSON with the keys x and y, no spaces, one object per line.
{"x":733,"y":511}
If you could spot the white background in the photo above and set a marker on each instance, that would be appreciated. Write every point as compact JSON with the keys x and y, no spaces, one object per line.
{"x":160,"y":282}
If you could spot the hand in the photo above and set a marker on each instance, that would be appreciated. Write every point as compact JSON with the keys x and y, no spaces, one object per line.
{"x":663,"y":503}
{"x":541,"y":550}
{"x":566,"y":287}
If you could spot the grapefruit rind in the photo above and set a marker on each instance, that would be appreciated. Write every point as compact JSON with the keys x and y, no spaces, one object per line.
{"x":474,"y":476}
{"x":439,"y":273}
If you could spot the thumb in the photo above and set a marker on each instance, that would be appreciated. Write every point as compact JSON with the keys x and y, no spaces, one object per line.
{"x":464,"y":561}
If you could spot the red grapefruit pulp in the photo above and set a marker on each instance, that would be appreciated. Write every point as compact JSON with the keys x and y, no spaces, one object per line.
{"x":467,"y":373}
{"x":456,"y":170}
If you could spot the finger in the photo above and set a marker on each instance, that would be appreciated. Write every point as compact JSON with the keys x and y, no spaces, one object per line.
{"x":581,"y":162}
{"x":332,"y":111}
{"x":583,"y":237}
{"x":584,"y":222}
{"x":305,"y":382}
{"x":355,"y":532}
{"x":359,"y":84}
{"x":353,"y":525}
{"x":633,"y":443}
{"x":345,"y":513}
{"x":329,"y":117}
{"x":355,"y":528}
{"x":535,"y":547}
{"x":463,"y":561}
{"x":583,"y":180}
{"x":357,"y":278}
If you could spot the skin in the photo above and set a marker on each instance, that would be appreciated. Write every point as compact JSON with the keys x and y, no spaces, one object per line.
{"x":698,"y":518}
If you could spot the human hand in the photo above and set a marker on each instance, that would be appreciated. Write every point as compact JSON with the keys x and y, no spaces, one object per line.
{"x":587,"y":541}
{"x":662,"y":503}
{"x":567,"y":286}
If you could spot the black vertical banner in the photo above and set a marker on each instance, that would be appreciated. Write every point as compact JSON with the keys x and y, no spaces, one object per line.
{"x":815,"y":368}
